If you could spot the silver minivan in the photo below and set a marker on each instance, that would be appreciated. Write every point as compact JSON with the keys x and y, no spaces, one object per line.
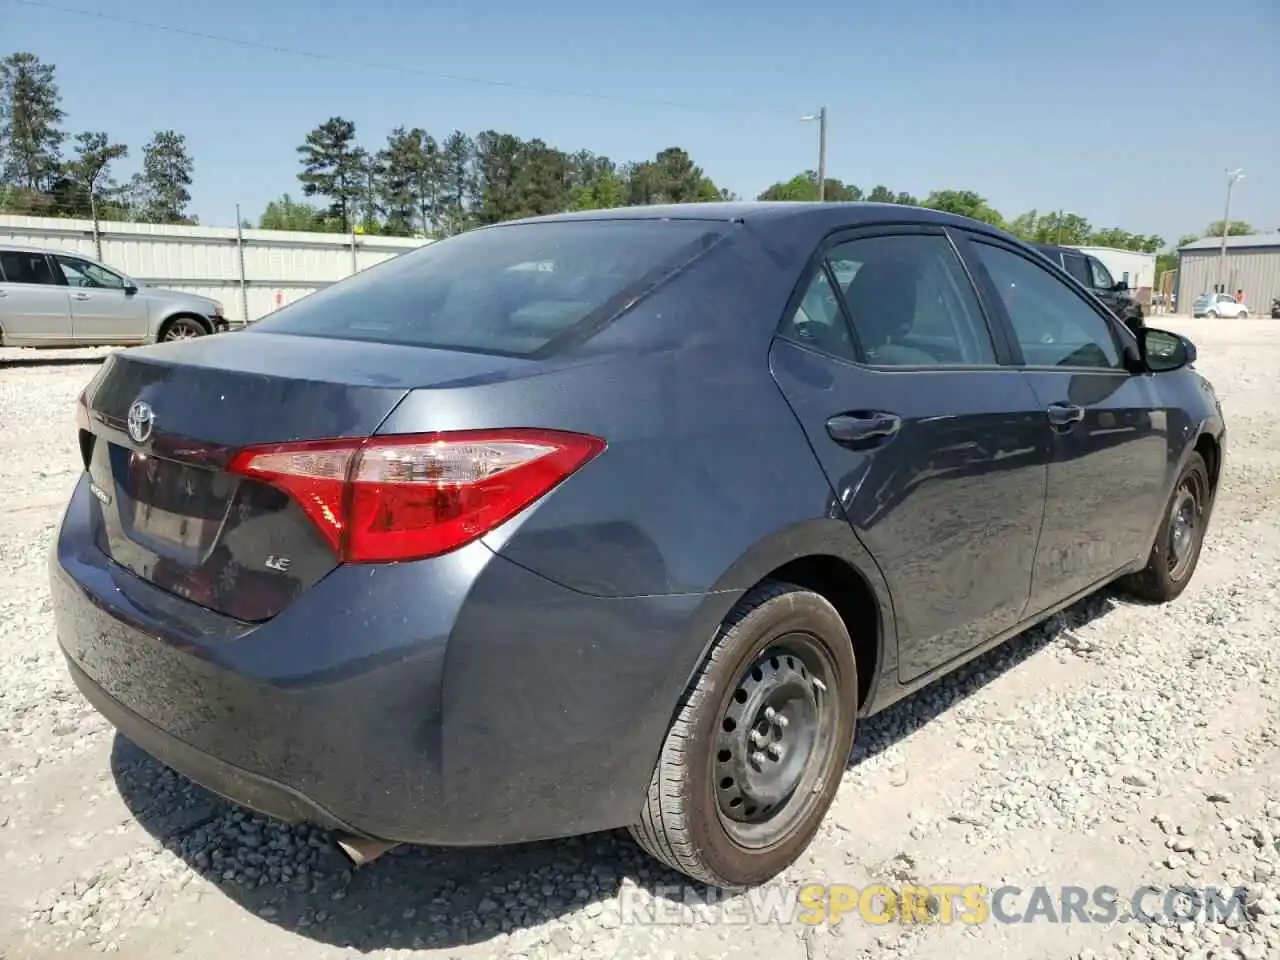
{"x":52,"y":298}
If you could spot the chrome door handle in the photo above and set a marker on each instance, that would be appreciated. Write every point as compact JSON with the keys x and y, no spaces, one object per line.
{"x":80,"y":296}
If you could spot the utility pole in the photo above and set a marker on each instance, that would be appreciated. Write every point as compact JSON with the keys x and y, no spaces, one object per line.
{"x":821,"y":118}
{"x":1232,"y":177}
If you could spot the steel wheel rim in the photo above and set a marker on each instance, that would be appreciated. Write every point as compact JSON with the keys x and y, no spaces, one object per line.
{"x":1184,"y":527}
{"x":183,"y":330}
{"x":774,"y":739}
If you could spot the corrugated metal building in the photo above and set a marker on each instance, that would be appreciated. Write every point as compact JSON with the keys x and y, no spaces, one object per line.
{"x":280,"y":266}
{"x":1252,"y":265}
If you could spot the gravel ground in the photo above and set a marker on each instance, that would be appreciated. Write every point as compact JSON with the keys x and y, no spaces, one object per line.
{"x":1118,"y":745}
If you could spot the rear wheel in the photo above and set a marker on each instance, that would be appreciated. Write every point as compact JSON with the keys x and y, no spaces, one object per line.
{"x":1212,"y":314}
{"x":183,"y":328}
{"x":1176,"y":550}
{"x":756,"y":752}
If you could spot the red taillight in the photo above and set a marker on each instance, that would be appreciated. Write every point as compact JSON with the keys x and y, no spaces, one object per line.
{"x":410,"y":497}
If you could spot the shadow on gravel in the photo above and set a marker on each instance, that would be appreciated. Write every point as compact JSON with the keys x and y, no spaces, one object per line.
{"x":418,"y":898}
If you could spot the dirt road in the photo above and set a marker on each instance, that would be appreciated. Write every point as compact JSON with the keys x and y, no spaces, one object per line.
{"x":1117,"y":746}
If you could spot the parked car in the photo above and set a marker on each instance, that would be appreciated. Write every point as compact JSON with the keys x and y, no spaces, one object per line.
{"x":1093,"y":274}
{"x":1218,"y":305}
{"x":51,"y":298}
{"x":631,"y":539}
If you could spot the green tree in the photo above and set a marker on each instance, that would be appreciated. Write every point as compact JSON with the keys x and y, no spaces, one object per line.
{"x":1124,"y":240}
{"x":670,"y":177}
{"x":31,"y":137}
{"x":603,"y":192}
{"x":289,"y":214}
{"x":804,"y":186}
{"x":457,"y":182}
{"x":498,"y":159}
{"x":678,"y":178}
{"x":162,"y":191}
{"x":964,"y":203}
{"x":332,"y":167}
{"x":368,"y":206}
{"x":410,"y":183}
{"x":1237,"y":228}
{"x":1068,"y":229}
{"x":543,"y":179}
{"x":94,"y":192}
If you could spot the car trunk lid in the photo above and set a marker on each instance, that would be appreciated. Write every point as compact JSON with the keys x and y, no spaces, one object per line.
{"x":166,"y":506}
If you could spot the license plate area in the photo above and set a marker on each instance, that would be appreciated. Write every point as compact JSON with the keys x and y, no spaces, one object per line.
{"x":174,"y":508}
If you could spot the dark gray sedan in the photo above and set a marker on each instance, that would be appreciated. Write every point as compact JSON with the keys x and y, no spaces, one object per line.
{"x":612,"y":519}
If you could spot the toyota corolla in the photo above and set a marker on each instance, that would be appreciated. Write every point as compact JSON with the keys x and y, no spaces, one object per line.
{"x":615,"y":519}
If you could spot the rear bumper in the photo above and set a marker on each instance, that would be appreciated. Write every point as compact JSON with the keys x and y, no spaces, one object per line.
{"x":458,"y":701}
{"x":266,"y":796}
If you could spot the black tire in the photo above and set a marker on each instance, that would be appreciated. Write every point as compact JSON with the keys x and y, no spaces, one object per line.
{"x":1173,"y":561}
{"x":771,"y":646}
{"x":183,"y":327}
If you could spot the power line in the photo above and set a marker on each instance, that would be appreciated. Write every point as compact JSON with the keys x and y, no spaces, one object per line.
{"x":376,"y":65}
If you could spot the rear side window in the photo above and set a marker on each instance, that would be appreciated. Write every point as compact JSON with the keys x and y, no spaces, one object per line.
{"x":18,"y":266}
{"x":507,"y":290}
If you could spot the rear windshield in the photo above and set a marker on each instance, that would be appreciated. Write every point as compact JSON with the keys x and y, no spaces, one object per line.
{"x":516,"y":289}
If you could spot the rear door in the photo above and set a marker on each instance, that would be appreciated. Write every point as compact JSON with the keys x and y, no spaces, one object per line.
{"x":34,"y":310}
{"x":1109,"y":448}
{"x":101,"y":311}
{"x":937,"y":454}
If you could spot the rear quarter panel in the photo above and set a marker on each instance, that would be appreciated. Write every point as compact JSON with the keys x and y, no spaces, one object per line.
{"x":705,"y":460}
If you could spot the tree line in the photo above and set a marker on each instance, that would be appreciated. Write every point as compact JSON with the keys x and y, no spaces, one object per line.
{"x":415,"y":184}
{"x":45,"y":171}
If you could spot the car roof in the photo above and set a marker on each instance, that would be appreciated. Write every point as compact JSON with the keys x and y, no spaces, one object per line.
{"x":28,"y":248}
{"x":774,"y":212}
{"x":1056,"y":248}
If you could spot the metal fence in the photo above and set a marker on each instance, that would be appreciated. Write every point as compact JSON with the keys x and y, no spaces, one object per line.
{"x":252,"y":272}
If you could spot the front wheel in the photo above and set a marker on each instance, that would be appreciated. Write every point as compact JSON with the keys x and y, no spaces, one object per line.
{"x":183,"y":328}
{"x":1176,"y":550}
{"x":755,"y":754}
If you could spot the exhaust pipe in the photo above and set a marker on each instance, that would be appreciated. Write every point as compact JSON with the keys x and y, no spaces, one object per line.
{"x":361,"y":850}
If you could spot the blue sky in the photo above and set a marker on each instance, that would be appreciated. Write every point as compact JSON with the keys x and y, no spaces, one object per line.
{"x":1125,"y":112}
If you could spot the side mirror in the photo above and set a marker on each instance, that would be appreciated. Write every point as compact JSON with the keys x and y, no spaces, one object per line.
{"x":130,"y":288}
{"x":1163,"y":351}
{"x":1121,"y":286}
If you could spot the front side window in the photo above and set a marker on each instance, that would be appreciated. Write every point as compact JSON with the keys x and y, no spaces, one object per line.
{"x":1101,"y":275}
{"x":508,"y":290}
{"x":20,"y":266}
{"x":1053,"y":325}
{"x":82,"y":273}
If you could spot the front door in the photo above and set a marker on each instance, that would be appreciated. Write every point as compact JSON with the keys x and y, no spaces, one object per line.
{"x":1110,"y":450}
{"x":101,"y":311}
{"x":34,"y":311}
{"x":938,"y":456}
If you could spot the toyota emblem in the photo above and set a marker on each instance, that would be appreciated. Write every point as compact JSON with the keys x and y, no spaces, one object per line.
{"x":141,"y":421}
